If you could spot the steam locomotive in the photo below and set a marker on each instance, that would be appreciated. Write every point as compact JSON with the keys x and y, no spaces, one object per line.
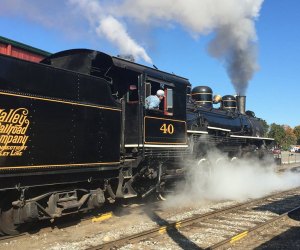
{"x":74,"y":133}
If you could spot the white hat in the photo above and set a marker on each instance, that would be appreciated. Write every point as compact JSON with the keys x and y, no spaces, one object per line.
{"x":160,"y":92}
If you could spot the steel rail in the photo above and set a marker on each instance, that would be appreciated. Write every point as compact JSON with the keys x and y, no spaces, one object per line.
{"x":11,"y":237}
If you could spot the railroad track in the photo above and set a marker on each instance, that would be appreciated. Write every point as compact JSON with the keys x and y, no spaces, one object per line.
{"x":215,"y":229}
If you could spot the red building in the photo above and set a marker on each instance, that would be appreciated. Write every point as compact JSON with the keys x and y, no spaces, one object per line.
{"x":20,"y":50}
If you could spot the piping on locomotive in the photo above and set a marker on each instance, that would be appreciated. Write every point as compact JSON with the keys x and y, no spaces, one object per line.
{"x":74,"y":133}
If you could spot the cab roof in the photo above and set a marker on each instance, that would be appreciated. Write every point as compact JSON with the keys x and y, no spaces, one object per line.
{"x":97,"y":63}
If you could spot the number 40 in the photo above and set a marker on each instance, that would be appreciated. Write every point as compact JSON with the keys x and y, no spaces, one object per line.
{"x":167,"y":129}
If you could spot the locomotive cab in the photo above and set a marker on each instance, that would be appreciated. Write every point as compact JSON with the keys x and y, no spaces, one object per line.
{"x":145,"y":129}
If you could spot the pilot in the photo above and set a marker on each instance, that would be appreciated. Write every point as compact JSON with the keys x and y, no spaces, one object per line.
{"x":153,"y":101}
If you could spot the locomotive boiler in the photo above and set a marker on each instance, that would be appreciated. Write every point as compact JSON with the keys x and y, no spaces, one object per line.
{"x":74,"y":133}
{"x":228,"y":127}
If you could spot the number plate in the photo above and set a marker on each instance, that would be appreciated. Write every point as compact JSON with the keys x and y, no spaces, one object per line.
{"x":164,"y":131}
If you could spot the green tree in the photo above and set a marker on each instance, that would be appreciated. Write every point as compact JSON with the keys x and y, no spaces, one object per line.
{"x":297,"y":133}
{"x":265,"y":127}
{"x":277,"y":132}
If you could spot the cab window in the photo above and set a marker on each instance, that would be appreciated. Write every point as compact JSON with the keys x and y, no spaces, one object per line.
{"x":132,"y":94}
{"x":168,"y":109}
{"x":166,"y":104}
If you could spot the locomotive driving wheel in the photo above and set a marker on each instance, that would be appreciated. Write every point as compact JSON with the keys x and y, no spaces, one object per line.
{"x":220,"y":161}
{"x":161,"y":194}
{"x":161,"y":184}
{"x":204,"y":172}
{"x":7,"y":225}
{"x":234,"y":159}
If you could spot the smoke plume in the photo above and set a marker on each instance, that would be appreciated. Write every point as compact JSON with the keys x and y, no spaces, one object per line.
{"x":231,"y":22}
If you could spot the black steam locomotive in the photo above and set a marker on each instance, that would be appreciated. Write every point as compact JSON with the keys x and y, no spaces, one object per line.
{"x":74,"y":133}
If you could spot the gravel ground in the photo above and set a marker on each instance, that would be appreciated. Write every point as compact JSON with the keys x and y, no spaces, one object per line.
{"x":126,"y":222}
{"x":283,"y":234}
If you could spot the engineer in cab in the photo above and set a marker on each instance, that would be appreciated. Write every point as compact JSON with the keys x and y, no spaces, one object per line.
{"x":153,"y":101}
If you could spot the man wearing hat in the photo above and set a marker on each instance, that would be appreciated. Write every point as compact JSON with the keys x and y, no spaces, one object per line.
{"x":153,"y":101}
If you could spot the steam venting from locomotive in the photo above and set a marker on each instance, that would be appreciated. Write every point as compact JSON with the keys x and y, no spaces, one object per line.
{"x":125,"y":24}
{"x":226,"y":180}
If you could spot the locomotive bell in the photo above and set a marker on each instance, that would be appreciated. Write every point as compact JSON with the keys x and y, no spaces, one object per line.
{"x":203,"y":96}
{"x":217,"y":99}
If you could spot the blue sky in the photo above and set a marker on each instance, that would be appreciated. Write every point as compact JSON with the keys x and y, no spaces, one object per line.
{"x":273,"y":93}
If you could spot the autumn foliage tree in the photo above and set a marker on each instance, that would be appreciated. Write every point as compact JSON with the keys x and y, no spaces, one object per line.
{"x":290,"y":138}
{"x":284,"y":135}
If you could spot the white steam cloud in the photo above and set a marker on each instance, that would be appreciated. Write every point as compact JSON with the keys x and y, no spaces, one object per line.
{"x":116,"y":33}
{"x":232,"y":23}
{"x":106,"y":25}
{"x":225,"y":180}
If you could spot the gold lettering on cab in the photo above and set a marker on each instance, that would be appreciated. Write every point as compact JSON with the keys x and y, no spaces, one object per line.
{"x":13,"y":126}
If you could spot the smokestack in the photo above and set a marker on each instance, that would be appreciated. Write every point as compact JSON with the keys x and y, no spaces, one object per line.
{"x":241,"y":103}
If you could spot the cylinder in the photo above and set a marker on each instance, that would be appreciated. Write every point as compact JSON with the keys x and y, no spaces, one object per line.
{"x":203,"y":96}
{"x":241,"y":103}
{"x":229,"y":102}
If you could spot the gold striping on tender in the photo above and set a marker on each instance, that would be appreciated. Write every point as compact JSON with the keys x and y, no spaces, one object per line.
{"x":60,"y":101}
{"x":61,"y":165}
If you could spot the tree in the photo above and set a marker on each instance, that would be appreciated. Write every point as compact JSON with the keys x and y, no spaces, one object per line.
{"x":289,"y":139}
{"x":297,"y":133}
{"x":265,"y":126}
{"x":277,"y":132}
{"x":283,"y":135}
